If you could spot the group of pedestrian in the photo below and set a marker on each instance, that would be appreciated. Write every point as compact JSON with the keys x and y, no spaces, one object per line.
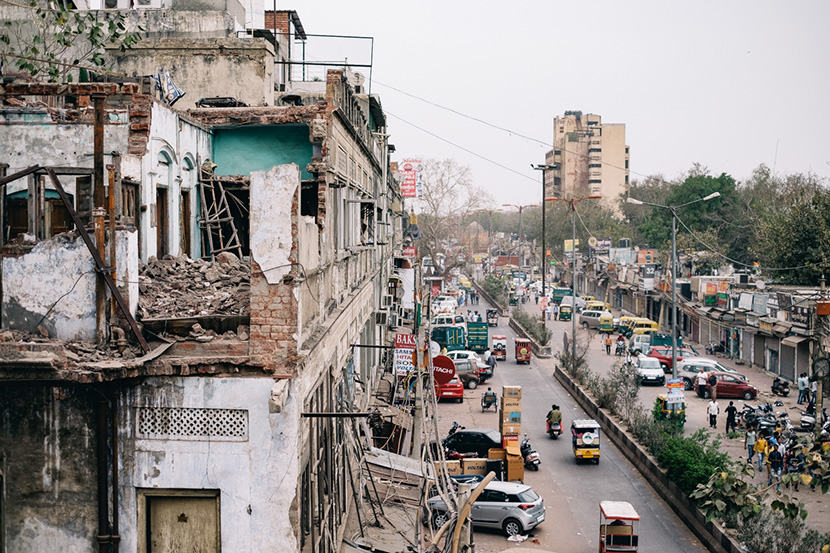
{"x":474,"y":317}
{"x":806,"y":388}
{"x":713,"y":410}
{"x":474,"y":297}
{"x":779,"y":457}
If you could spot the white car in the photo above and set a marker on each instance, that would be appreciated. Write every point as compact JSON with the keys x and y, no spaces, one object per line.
{"x":650,"y":371}
{"x":444,"y":304}
{"x":464,"y":354}
{"x":690,"y":367}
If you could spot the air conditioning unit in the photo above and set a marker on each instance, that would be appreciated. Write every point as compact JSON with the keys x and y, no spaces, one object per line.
{"x":381,"y":318}
{"x":393,"y":320}
{"x":400,"y":311}
{"x":386,"y":300}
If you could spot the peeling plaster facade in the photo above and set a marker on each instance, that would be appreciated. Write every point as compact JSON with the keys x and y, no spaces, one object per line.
{"x":321,"y":256}
{"x":248,"y":471}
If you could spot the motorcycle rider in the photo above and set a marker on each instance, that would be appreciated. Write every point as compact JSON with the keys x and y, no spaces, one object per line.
{"x":554,"y":416}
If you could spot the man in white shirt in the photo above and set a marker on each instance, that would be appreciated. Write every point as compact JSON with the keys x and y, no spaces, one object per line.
{"x":712,"y":410}
{"x":701,"y":380}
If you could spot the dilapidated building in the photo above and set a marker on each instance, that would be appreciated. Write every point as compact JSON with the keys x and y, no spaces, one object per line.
{"x":187,"y":297}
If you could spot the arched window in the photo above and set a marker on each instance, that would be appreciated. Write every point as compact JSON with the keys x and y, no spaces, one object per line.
{"x":164,"y":178}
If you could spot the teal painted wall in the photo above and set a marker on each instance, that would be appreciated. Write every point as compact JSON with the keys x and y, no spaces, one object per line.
{"x":240,"y":150}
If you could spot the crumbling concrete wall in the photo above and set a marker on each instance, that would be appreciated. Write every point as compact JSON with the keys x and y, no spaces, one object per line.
{"x":274,"y":299}
{"x":31,"y":136}
{"x":242,"y":68}
{"x":63,"y":301}
{"x":255,"y":469}
{"x":47,"y":460}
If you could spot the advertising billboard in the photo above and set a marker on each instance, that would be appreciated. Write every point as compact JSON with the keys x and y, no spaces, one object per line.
{"x":411,"y":171}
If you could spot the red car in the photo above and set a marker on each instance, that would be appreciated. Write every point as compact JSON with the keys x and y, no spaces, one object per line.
{"x":663,"y":354}
{"x":728,"y":385}
{"x":451,"y":390}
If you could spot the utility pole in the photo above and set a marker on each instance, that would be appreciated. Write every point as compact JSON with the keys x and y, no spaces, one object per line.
{"x":418,"y":416}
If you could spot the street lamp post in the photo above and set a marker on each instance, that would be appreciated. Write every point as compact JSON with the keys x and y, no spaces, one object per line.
{"x":673,"y":209}
{"x":572,"y":206}
{"x":489,"y":239}
{"x":521,"y":228}
{"x":543,"y":169}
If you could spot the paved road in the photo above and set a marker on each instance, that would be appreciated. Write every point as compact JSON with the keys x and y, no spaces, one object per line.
{"x":572,"y":492}
{"x":816,"y":504}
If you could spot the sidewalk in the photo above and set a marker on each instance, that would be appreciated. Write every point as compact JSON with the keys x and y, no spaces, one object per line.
{"x":816,"y":503}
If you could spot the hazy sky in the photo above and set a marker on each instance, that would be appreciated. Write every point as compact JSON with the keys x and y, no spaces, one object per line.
{"x":728,"y":84}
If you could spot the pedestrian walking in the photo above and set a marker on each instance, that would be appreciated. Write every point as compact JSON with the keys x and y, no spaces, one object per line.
{"x":731,"y":412}
{"x":608,"y":344}
{"x":776,"y":462}
{"x":814,"y":388}
{"x":712,"y":410}
{"x":749,"y":443}
{"x":536,"y":297}
{"x":761,"y":449}
{"x":491,"y":361}
{"x":549,"y":311}
{"x":803,"y":386}
{"x":713,"y":386}
{"x":555,"y":312}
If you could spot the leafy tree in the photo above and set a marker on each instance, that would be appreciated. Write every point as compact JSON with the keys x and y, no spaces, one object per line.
{"x":691,"y":461}
{"x":54,"y":39}
{"x":798,"y":235}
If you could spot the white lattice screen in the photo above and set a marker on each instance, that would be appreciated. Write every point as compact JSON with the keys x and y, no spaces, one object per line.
{"x":182,"y":423}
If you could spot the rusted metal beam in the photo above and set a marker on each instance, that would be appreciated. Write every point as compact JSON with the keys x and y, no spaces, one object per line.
{"x":19,"y":174}
{"x":99,"y":100}
{"x":99,"y":263}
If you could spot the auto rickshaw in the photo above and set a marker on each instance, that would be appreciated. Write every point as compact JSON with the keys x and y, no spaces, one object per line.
{"x":565,"y":312}
{"x":522,"y":350}
{"x":493,"y":317}
{"x":500,"y":347}
{"x":626,"y":324}
{"x":606,"y":323}
{"x":666,"y":409}
{"x":585,"y":435}
{"x":618,"y":526}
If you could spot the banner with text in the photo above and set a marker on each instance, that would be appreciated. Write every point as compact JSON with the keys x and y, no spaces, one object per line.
{"x":411,"y":169}
{"x":404,"y":353}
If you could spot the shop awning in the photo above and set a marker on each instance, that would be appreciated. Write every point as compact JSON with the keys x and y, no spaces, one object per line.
{"x":781,"y":328}
{"x":793,"y":341}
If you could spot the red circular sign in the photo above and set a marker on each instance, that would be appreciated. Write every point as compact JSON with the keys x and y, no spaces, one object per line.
{"x":443,"y":369}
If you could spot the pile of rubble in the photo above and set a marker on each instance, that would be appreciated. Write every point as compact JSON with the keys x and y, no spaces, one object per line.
{"x":175,"y":287}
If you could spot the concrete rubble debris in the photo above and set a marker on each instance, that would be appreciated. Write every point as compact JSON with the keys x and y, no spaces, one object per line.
{"x":174,"y":287}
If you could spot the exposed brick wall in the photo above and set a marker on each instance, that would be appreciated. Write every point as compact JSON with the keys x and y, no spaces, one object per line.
{"x":140,"y":116}
{"x":274,"y":312}
{"x":278,"y":20}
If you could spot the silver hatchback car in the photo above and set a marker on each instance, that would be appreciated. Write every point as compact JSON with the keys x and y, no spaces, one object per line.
{"x":515,"y":508}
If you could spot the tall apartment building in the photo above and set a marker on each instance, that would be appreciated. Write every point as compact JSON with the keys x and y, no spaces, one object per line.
{"x":591,"y":157}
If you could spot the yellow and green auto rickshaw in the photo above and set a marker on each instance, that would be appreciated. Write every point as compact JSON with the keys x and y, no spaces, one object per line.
{"x":585,"y":435}
{"x":606,"y":323}
{"x":667,"y":410}
{"x":565,"y":312}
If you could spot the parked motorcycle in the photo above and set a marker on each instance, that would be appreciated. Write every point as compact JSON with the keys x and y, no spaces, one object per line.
{"x":530,"y":456}
{"x":780,"y":387}
{"x":808,"y":418}
{"x":712,"y":348}
{"x":455,"y":427}
{"x":554,"y":429}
